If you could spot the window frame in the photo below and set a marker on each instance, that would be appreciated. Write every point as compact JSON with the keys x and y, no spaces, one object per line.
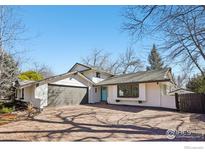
{"x":131,"y":85}
{"x":96,"y":89}
{"x":22,"y":93}
{"x":98,"y":74}
{"x":16,"y":93}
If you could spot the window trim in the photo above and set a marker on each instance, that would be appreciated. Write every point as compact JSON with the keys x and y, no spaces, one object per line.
{"x":131,"y":90}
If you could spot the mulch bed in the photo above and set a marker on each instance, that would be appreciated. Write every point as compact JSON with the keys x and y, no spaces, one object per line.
{"x":6,"y":118}
{"x":16,"y":116}
{"x":20,"y":113}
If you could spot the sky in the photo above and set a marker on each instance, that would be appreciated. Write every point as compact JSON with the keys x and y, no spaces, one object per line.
{"x":60,"y":36}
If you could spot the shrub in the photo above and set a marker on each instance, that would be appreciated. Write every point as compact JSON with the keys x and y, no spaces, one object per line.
{"x":6,"y":110}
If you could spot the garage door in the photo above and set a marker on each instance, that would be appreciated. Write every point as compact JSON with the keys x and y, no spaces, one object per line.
{"x":59,"y":95}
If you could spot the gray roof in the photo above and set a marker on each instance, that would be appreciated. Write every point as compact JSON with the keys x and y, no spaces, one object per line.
{"x":181,"y":91}
{"x":25,"y":82}
{"x":138,"y":77}
{"x":89,"y":67}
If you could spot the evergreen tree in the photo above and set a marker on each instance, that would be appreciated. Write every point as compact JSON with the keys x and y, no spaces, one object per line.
{"x":8,"y":73}
{"x":155,"y":60}
{"x":197,"y":84}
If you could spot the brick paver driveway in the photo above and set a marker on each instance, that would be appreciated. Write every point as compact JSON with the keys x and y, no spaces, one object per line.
{"x":104,"y":123}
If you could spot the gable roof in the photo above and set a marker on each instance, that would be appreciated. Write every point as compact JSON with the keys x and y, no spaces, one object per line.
{"x":138,"y":77}
{"x":89,"y":67}
{"x":181,"y":91}
{"x":50,"y":79}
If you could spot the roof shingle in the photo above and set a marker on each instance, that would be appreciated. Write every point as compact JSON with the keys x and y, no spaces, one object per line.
{"x":138,"y":77}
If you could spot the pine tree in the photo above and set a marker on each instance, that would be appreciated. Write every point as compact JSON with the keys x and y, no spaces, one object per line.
{"x":197,"y":84}
{"x":155,"y":60}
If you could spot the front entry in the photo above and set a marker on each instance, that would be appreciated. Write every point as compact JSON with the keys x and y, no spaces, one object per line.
{"x":104,"y":94}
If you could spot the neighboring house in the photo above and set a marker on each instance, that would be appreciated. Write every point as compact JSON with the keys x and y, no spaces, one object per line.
{"x":180,"y":91}
{"x":84,"y":84}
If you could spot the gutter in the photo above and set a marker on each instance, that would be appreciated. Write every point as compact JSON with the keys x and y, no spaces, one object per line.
{"x":165,"y":80}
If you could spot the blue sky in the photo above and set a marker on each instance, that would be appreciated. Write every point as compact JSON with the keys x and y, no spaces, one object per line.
{"x":62,"y":35}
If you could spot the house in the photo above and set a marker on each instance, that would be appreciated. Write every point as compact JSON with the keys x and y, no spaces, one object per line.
{"x":84,"y":84}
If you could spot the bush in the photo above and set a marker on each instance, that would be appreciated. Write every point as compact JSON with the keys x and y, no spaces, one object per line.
{"x":6,"y":110}
{"x":1,"y":103}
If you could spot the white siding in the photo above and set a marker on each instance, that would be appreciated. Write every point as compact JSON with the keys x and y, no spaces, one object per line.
{"x":96,"y":80}
{"x":94,"y":96}
{"x":168,"y":102}
{"x":30,"y":94}
{"x":91,"y":74}
{"x":18,"y":96}
{"x":149,"y":94}
{"x":112,"y":96}
{"x":153,"y":95}
{"x":41,"y":96}
{"x":70,"y":81}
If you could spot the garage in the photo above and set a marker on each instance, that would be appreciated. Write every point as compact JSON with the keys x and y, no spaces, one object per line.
{"x":61,"y":95}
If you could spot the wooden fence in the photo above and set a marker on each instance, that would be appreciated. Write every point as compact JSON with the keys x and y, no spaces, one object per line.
{"x":191,"y":102}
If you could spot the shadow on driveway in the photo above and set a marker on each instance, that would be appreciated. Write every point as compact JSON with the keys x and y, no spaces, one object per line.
{"x":92,"y":131}
{"x":126,"y":108}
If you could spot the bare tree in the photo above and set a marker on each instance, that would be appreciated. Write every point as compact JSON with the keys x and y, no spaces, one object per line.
{"x":10,"y":30}
{"x":126,"y":62}
{"x":113,"y":66}
{"x":98,"y":59}
{"x":43,"y":69}
{"x":182,"y":28}
{"x":185,"y":74}
{"x":129,"y":62}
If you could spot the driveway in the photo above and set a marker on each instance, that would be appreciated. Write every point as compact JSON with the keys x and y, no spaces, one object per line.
{"x":105,"y":123}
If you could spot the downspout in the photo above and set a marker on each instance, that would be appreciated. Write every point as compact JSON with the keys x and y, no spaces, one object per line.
{"x":160,"y":102}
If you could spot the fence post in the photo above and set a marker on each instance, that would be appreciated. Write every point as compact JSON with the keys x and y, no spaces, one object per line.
{"x":177,"y":101}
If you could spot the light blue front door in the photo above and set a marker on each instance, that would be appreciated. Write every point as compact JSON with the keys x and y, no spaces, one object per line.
{"x":104,"y":94}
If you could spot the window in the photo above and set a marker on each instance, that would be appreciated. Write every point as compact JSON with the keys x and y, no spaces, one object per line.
{"x":96,"y":90}
{"x":128,"y":90}
{"x":16,"y":93}
{"x":22,"y":93}
{"x":97,"y":74}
